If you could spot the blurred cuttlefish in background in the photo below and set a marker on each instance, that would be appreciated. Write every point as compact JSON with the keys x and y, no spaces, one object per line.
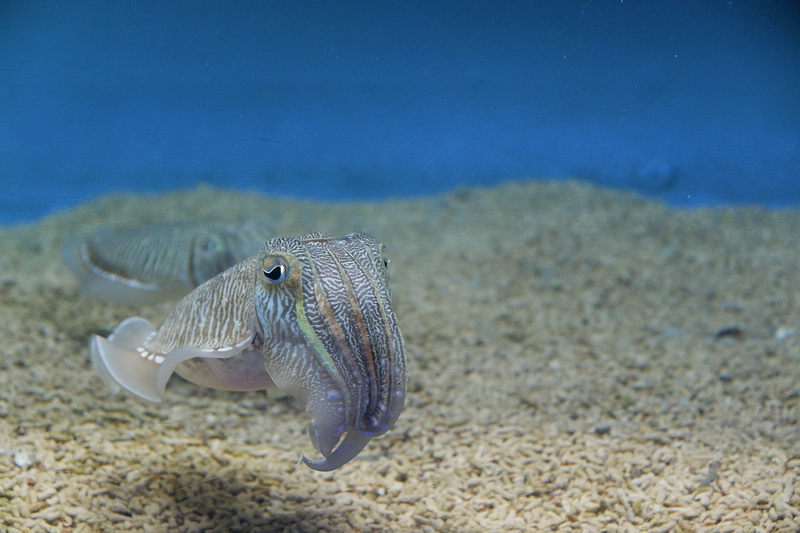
{"x":158,"y":261}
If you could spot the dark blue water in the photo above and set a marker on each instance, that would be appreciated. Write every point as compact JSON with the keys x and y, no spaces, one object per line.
{"x":697,"y":102}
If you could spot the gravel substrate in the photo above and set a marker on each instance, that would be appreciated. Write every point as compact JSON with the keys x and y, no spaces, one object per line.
{"x":579,"y":360}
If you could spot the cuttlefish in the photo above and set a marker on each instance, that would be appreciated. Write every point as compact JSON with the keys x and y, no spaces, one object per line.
{"x":310,"y":315}
{"x":159,"y":261}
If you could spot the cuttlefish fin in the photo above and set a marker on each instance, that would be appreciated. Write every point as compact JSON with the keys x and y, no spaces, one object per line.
{"x":120,"y":365}
{"x":122,"y":362}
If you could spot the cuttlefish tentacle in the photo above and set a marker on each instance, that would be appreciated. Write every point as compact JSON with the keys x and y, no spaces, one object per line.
{"x":348,"y":449}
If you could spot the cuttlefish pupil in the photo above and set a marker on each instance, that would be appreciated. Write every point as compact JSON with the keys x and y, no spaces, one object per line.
{"x":311,"y":316}
{"x":275,"y":273}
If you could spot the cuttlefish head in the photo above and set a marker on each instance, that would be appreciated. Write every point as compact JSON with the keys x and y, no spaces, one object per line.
{"x":331,"y":338}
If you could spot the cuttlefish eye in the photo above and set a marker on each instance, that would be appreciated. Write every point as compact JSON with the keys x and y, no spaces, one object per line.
{"x":385,"y":261}
{"x":209,"y":244}
{"x":275,"y":269}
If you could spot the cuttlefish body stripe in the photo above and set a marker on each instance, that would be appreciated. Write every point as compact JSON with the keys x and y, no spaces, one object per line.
{"x":319,"y":349}
{"x":380,"y":329}
{"x":361,"y":339}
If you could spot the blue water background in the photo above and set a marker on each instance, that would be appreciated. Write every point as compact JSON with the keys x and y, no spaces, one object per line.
{"x":697,"y":102}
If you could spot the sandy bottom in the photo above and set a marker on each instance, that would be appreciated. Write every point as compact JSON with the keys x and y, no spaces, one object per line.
{"x":580,"y":360}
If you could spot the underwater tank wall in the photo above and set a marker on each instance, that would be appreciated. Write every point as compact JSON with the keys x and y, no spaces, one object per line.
{"x":695,"y":102}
